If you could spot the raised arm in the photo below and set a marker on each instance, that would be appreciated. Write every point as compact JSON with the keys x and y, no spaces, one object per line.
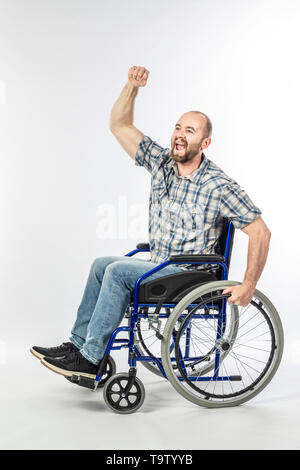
{"x":121,"y":118}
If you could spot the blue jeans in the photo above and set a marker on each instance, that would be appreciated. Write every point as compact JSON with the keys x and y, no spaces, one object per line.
{"x":106,"y":296}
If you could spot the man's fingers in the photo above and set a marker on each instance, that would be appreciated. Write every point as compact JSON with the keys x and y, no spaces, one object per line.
{"x":227,"y":291}
{"x":132,"y":71}
{"x":138,"y":73}
{"x":142,"y":76}
{"x":145,"y":75}
{"x":132,"y":74}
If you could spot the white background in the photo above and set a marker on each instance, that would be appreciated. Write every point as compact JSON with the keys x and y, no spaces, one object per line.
{"x":62,"y":65}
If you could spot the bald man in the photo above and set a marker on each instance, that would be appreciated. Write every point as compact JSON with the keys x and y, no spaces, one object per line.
{"x":189,"y":198}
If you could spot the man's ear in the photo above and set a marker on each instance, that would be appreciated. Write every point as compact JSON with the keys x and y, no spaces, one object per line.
{"x":205,"y":143}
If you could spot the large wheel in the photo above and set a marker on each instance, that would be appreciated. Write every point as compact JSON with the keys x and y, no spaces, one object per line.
{"x":225,"y":354}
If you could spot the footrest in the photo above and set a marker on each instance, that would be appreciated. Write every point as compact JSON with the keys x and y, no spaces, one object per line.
{"x":235,"y":378}
{"x":82,"y":381}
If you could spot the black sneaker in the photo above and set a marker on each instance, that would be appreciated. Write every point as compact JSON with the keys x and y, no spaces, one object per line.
{"x":58,"y":351}
{"x":72,"y":364}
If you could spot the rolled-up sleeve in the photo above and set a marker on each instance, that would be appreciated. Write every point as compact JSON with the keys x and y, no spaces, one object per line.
{"x":237,"y":206}
{"x":149,"y":154}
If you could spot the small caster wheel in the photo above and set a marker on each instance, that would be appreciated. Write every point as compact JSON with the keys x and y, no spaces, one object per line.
{"x":120,"y":401}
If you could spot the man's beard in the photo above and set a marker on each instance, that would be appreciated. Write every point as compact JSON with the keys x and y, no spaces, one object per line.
{"x":189,"y":154}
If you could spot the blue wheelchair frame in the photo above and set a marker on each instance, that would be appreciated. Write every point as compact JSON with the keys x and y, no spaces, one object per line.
{"x":134,"y":353}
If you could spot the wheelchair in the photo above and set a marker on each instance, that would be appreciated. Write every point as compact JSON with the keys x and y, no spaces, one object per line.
{"x":180,"y":327}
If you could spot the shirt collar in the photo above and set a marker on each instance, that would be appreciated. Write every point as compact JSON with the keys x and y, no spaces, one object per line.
{"x":197,"y":174}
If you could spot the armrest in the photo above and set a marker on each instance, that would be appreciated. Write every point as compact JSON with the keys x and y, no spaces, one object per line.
{"x":198,"y":258}
{"x":143,"y":246}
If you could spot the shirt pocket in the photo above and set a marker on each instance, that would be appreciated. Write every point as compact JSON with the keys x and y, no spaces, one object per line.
{"x":159,"y":192}
{"x":164,"y":212}
{"x":191,"y":219}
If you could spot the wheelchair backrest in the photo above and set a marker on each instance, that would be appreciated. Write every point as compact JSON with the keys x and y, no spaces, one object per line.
{"x":225,"y":243}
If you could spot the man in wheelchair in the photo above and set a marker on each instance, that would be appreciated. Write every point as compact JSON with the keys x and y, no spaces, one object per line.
{"x":189,"y":200}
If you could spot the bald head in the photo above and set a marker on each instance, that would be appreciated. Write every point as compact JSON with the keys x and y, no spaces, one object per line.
{"x":204,"y":122}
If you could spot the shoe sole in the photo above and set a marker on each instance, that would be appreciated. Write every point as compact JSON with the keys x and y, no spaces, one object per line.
{"x":36,"y":354}
{"x":66,"y":373}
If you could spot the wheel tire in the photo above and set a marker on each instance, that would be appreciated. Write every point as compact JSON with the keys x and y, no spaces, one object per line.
{"x":114,"y":387}
{"x":277,"y":351}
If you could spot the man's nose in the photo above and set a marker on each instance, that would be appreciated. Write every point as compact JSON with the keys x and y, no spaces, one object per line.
{"x":180,"y":135}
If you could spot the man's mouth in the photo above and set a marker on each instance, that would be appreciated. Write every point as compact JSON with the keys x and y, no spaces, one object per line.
{"x":179,"y":146}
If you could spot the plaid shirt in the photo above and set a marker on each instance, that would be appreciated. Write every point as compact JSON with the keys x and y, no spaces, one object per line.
{"x":186,"y":212}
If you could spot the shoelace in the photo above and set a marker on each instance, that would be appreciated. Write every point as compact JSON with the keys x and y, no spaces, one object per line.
{"x":73,"y":356}
{"x":62,"y":346}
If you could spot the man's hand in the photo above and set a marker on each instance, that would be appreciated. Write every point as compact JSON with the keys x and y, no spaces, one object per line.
{"x":240,"y":295}
{"x":138,"y":76}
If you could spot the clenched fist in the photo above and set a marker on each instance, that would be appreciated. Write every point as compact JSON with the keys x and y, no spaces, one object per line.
{"x":138,"y":76}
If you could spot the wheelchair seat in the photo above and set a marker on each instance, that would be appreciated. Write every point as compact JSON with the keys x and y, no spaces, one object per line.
{"x":173,"y":287}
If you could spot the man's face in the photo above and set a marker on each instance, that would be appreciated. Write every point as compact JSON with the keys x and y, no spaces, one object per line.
{"x":188,"y":137}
